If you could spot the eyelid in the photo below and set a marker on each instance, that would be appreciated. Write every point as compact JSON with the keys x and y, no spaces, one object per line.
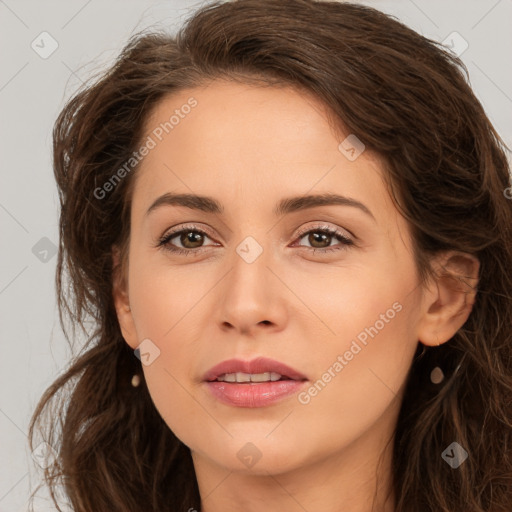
{"x":190,"y":227}
{"x":326,"y":227}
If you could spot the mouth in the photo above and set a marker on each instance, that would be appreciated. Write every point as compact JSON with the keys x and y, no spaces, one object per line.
{"x":256,"y":383}
{"x":258,"y":370}
{"x":251,"y":378}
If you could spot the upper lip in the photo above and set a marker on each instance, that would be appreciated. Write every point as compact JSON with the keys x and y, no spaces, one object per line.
{"x":258,"y":365}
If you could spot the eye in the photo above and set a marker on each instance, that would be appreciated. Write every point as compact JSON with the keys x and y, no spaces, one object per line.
{"x":320,"y":238}
{"x":191,"y":239}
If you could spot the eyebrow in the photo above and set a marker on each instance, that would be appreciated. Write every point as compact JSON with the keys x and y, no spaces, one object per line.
{"x":287,"y":205}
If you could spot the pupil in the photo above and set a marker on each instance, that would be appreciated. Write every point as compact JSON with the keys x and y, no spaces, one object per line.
{"x":315,"y":237}
{"x":192,"y":237}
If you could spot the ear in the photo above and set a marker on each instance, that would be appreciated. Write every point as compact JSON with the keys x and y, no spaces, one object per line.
{"x":449,"y":298}
{"x":121,"y":298}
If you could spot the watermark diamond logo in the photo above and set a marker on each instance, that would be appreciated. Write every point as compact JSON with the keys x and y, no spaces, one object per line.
{"x":456,"y":43}
{"x":249,"y":250}
{"x":351,"y":147}
{"x":454,"y":455}
{"x":44,"y":45}
{"x":44,"y":250}
{"x":147,"y":352}
{"x":249,"y":454}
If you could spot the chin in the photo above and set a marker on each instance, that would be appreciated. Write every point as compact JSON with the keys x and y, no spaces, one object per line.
{"x":256,"y":455}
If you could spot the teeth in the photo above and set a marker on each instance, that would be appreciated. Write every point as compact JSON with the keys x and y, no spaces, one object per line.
{"x":249,"y":377}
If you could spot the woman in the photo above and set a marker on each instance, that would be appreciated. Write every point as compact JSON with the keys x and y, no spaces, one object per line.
{"x":289,"y":225}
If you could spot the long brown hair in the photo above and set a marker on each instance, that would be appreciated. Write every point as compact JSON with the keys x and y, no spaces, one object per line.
{"x":408,"y":100}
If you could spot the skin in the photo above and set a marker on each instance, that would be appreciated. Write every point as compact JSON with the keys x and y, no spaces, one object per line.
{"x":249,"y":147}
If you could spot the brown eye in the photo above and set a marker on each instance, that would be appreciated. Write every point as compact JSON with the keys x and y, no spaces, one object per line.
{"x":185,"y":241}
{"x":318,"y":239}
{"x":321,"y":238}
{"x":191,"y":239}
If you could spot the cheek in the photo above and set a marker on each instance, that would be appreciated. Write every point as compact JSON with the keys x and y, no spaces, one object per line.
{"x":167,"y":304}
{"x":359,"y":377}
{"x":175,"y":403}
{"x":339,"y":304}
{"x":365,"y":351}
{"x":165,"y":298}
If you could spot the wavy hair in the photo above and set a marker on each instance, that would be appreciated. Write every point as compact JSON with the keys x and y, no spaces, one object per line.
{"x":409,"y":100}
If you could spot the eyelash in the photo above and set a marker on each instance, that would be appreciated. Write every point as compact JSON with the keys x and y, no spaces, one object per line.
{"x":163,"y":242}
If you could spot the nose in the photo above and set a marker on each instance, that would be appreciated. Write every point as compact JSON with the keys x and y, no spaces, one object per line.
{"x":252,"y":297}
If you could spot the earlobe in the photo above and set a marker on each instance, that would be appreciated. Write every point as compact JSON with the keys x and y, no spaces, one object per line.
{"x":121,"y":299}
{"x":450,"y":297}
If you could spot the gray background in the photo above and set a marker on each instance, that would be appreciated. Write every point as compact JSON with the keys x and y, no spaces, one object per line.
{"x":32,"y":92}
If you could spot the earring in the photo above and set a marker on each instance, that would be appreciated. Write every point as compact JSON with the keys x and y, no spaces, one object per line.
{"x":437,"y":375}
{"x":136,"y":380}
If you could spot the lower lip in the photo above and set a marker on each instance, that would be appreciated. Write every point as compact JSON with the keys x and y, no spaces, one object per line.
{"x":254,"y":394}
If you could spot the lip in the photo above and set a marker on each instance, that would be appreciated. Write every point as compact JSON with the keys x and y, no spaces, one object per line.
{"x":258,"y":365}
{"x":253,"y":394}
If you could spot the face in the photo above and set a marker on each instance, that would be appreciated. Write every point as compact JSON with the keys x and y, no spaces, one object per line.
{"x":331,"y":290}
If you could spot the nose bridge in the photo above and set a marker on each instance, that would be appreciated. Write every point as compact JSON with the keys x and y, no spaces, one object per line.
{"x":249,"y":296}
{"x":249,"y":266}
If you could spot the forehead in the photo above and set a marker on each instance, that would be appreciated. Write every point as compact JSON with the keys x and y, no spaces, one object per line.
{"x":244,"y":143}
